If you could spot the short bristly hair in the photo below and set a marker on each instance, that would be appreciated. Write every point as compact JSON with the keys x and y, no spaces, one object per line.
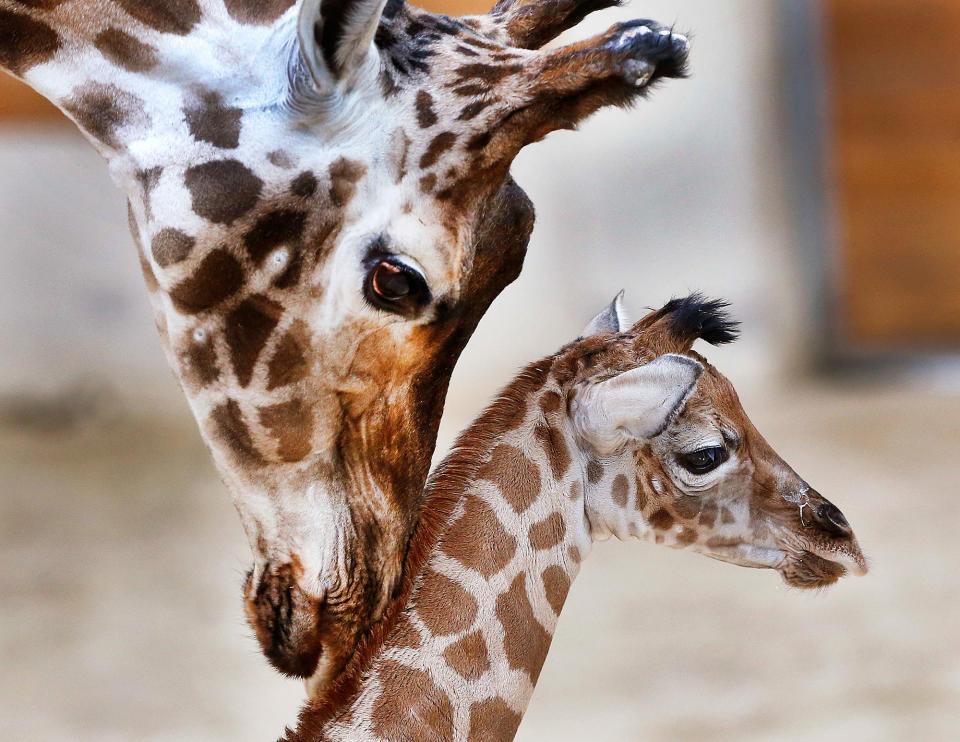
{"x":695,"y":317}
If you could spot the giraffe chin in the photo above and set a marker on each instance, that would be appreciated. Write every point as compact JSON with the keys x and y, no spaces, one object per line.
{"x":285,"y":620}
{"x":807,"y":570}
{"x":799,"y":568}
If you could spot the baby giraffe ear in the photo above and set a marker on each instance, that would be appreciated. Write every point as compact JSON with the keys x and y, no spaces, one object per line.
{"x":336,"y":36}
{"x":613,"y":318}
{"x":635,"y":405}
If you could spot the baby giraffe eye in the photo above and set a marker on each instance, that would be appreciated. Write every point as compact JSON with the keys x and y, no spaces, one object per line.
{"x":703,"y":459}
{"x":393,"y":286}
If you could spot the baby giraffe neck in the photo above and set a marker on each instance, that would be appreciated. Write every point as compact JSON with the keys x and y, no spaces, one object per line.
{"x":461,"y":659}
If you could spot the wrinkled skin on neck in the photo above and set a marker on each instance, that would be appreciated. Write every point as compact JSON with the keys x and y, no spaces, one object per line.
{"x":283,"y":162}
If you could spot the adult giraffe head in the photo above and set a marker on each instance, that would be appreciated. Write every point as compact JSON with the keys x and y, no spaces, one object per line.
{"x":322,"y":200}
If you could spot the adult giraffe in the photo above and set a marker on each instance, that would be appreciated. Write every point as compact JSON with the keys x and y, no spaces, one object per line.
{"x":321,"y":198}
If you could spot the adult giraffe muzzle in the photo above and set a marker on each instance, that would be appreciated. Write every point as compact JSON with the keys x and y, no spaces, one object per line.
{"x":322,"y":201}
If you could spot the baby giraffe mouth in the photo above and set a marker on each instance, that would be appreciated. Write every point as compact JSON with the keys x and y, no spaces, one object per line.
{"x":809,"y":570}
{"x":801,"y":569}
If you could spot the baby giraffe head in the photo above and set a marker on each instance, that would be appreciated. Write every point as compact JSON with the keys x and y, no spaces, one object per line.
{"x":653,"y":412}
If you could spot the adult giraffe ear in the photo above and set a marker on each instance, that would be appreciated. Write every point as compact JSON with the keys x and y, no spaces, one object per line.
{"x":635,"y":405}
{"x":613,"y":318}
{"x":336,"y":37}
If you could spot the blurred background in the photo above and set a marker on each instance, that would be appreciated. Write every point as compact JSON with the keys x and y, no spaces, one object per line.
{"x":808,"y":172}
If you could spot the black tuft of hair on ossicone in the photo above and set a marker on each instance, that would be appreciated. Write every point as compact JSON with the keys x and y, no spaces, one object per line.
{"x":695,"y":316}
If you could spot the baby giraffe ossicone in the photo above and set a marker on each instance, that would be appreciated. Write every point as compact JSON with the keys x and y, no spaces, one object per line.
{"x":626,"y":432}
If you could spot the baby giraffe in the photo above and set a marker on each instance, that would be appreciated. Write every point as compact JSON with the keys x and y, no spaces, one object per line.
{"x":625,"y":432}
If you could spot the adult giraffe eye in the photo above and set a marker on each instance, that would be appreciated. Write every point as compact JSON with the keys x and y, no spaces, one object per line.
{"x":394,"y":286}
{"x":703,"y":460}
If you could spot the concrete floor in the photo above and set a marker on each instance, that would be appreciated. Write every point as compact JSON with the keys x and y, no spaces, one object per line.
{"x":120,"y":613}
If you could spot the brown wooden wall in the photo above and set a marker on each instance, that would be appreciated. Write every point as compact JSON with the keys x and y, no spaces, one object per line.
{"x":894,"y":69}
{"x":20,"y":103}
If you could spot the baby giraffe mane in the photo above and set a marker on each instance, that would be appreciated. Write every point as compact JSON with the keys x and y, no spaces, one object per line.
{"x":443,"y":492}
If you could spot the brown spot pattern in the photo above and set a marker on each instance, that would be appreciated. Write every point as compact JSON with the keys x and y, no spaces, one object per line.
{"x":217,"y":278}
{"x":471,"y":110}
{"x":281,"y":159}
{"x":257,"y":12}
{"x":479,"y":141}
{"x":273,"y":230}
{"x":304,"y":185}
{"x":289,"y":363}
{"x":575,"y":491}
{"x":291,"y":425}
{"x":660,"y":519}
{"x":641,"y":501}
{"x":548,"y":532}
{"x":405,"y":634}
{"x":428,"y":182}
{"x":232,"y":431}
{"x":478,"y":540}
{"x":488,"y":73}
{"x":438,"y":145}
{"x":426,"y":117}
{"x":125,"y":50}
{"x":344,"y":175}
{"x":686,"y":537}
{"x":410,"y":700}
{"x":555,"y":448}
{"x":25,"y":42}
{"x":249,"y":327}
{"x":171,"y":246}
{"x":102,"y":109}
{"x":525,"y":641}
{"x":168,"y":16}
{"x":223,"y":190}
{"x":200,"y":362}
{"x":687,"y":506}
{"x":492,"y":720}
{"x":468,"y":657}
{"x":517,"y":476}
{"x":550,"y":402}
{"x":726,"y":517}
{"x":708,"y":514}
{"x":556,"y":585}
{"x":620,"y":490}
{"x":209,"y":120}
{"x":594,"y":471}
{"x":444,"y":606}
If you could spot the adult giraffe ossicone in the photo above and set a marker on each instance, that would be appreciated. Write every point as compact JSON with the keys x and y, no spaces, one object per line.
{"x":322,"y":200}
{"x":625,"y":432}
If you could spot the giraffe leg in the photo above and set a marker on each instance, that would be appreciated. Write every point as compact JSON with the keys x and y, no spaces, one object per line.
{"x":529,"y":24}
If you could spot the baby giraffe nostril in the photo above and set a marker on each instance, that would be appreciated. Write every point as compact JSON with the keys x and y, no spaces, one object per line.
{"x":832,"y":520}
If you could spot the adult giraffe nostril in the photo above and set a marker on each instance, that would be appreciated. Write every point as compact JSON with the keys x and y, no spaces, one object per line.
{"x":832,"y":520}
